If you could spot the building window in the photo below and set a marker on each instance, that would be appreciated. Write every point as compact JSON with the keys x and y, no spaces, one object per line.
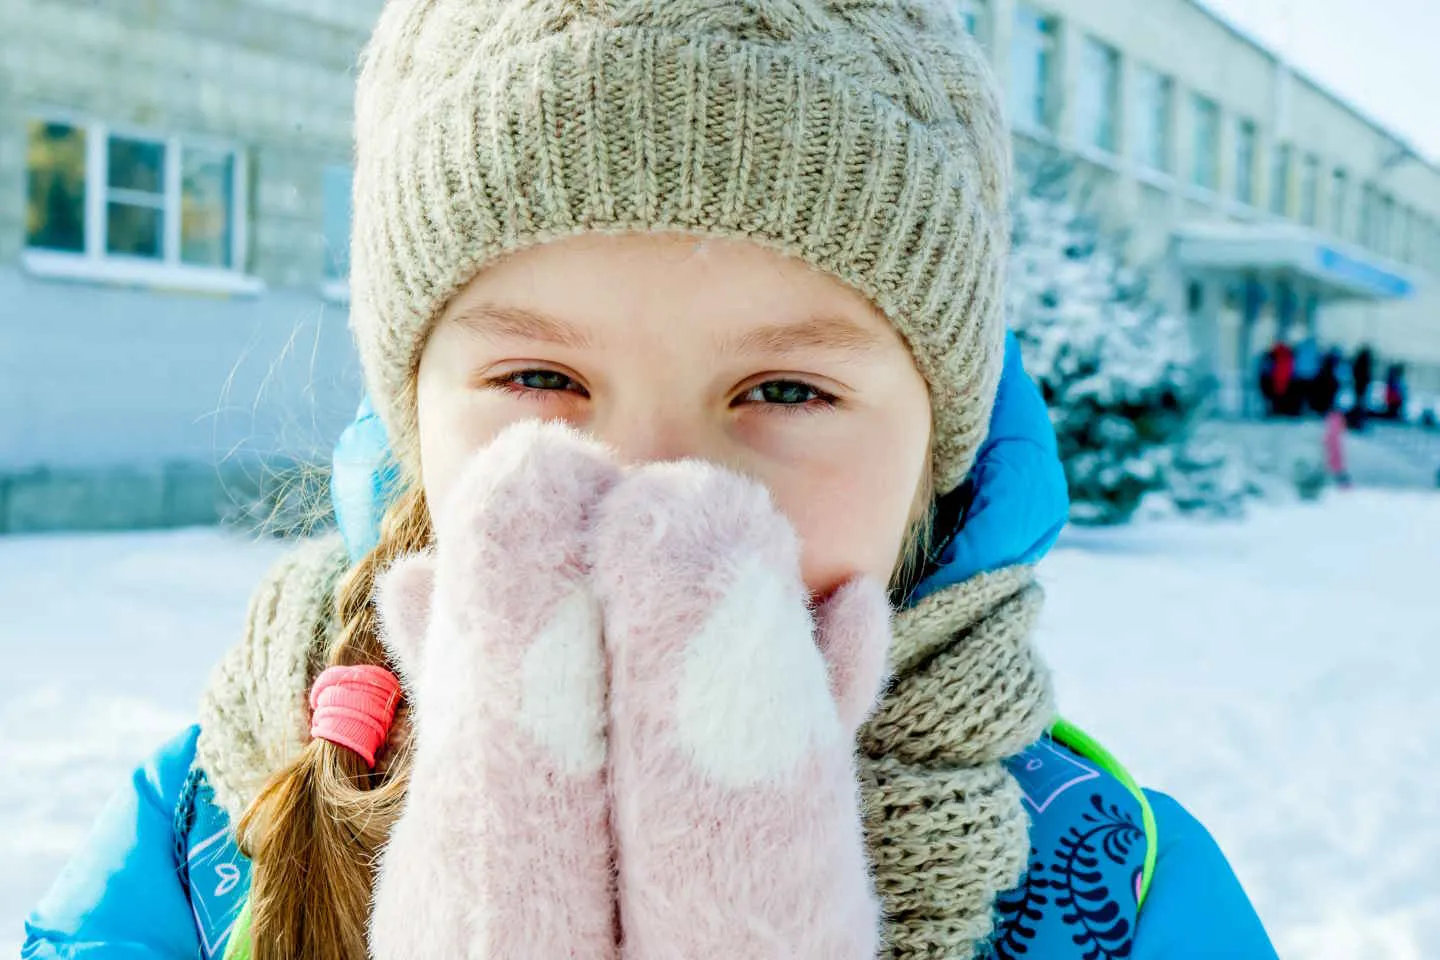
{"x":104,"y":195}
{"x":1369,"y":211}
{"x":207,"y":207}
{"x":1339,"y":194}
{"x":1099,"y":95}
{"x":55,"y":187}
{"x":975,"y":14}
{"x":1280,"y":180}
{"x":1149,"y":124}
{"x":1032,"y":64}
{"x":135,"y":198}
{"x":1385,"y":227}
{"x":1204,"y":164}
{"x":1245,"y":161}
{"x":1310,"y":190}
{"x":336,"y":200}
{"x":1405,"y":223}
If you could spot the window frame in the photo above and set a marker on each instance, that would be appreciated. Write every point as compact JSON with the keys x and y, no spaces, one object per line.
{"x":976,"y":14}
{"x":1246,"y":160}
{"x":95,"y":261}
{"x":1339,"y":196}
{"x":1385,"y":225}
{"x":1309,"y":212}
{"x":1095,"y":51}
{"x":1282,"y":159}
{"x":1160,"y":113}
{"x":1404,"y":243}
{"x":1367,"y":226}
{"x":1211,"y":107}
{"x":1047,"y":88}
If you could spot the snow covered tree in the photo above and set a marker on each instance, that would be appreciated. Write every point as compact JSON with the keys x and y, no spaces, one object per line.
{"x":1116,"y":368}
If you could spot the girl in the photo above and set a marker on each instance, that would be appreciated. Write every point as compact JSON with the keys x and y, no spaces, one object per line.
{"x":754,"y":251}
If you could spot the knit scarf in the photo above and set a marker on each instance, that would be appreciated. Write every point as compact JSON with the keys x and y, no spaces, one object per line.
{"x":945,"y":825}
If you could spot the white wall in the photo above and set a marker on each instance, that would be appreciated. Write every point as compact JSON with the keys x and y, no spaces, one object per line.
{"x":93,"y":376}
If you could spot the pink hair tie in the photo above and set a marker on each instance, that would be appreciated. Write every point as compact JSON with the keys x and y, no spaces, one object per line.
{"x":353,"y":707}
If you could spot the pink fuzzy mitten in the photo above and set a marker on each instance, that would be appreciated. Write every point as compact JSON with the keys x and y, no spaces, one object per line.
{"x":503,"y":849}
{"x":732,"y":726}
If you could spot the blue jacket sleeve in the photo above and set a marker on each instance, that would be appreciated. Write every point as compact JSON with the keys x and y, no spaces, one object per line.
{"x":1196,"y":907}
{"x":121,"y":896}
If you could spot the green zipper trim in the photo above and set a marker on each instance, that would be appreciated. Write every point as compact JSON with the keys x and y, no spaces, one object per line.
{"x":1088,"y":747}
{"x":239,"y":946}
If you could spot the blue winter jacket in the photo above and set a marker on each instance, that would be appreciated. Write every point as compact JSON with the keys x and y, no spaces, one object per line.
{"x":161,"y":876}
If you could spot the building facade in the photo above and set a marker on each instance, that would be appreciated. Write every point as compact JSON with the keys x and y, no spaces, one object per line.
{"x":174,"y":203}
{"x":1264,"y":204}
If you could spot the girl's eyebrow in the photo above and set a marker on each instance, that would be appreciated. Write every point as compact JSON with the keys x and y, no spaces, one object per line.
{"x":835,"y":333}
{"x":826,"y":332}
{"x":498,"y":322}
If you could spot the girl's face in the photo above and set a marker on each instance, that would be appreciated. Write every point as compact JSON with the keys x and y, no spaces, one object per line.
{"x":667,"y":347}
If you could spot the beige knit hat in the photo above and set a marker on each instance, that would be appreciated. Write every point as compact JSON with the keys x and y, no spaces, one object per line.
{"x":864,"y":137}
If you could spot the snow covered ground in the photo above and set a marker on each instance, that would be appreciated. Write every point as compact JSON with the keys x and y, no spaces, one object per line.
{"x":105,"y":643}
{"x":1278,"y":676}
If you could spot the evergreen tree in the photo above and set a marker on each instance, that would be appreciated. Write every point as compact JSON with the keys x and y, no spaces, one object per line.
{"x":1116,"y":368}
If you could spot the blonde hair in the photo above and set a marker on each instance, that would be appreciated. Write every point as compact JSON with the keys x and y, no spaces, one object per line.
{"x":315,"y":831}
{"x":919,"y":537}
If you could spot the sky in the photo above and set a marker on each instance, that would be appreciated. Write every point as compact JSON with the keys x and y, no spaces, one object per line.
{"x":1379,"y":55}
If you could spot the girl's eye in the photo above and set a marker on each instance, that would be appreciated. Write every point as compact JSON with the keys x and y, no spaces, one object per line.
{"x":540,"y":381}
{"x":786,"y":393}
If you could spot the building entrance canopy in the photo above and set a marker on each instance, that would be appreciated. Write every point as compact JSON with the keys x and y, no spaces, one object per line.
{"x":1281,"y":254}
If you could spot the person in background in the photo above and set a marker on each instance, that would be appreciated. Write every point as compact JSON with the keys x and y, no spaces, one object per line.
{"x":1265,"y":381}
{"x":1273,"y":367}
{"x":1362,"y":372}
{"x":1326,"y":386}
{"x":1395,"y":392}
{"x":1345,"y":373}
{"x":1307,"y":372}
{"x":1282,"y":378}
{"x":1335,"y":449}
